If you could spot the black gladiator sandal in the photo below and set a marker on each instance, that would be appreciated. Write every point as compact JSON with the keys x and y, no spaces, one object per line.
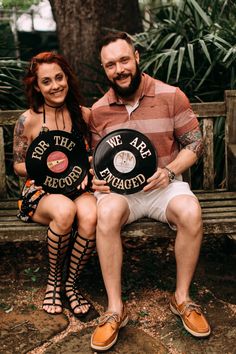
{"x":80,"y":254}
{"x":56,"y":252}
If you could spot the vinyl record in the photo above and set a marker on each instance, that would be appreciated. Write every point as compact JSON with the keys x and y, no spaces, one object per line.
{"x":125,"y":159}
{"x":57,"y":161}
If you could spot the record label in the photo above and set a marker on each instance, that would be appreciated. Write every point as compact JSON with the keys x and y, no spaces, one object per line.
{"x":125,"y":159}
{"x":57,"y":161}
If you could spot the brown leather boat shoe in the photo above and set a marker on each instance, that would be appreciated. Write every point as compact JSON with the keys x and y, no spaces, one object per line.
{"x":192,"y":317}
{"x":106,"y":333}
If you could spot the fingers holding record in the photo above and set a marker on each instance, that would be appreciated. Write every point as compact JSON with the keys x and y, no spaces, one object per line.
{"x":125,"y":159}
{"x":57,"y":161}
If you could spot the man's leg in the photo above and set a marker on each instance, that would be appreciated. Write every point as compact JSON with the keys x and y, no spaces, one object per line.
{"x":185,"y":213}
{"x":113,"y":212}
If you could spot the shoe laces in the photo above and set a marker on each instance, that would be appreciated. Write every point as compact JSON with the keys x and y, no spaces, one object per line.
{"x":191,"y":306}
{"x":109,"y":318}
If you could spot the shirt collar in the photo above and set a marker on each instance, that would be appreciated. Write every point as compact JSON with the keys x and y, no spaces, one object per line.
{"x":148,"y":90}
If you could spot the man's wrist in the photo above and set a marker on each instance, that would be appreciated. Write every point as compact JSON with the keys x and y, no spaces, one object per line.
{"x":171,"y":174}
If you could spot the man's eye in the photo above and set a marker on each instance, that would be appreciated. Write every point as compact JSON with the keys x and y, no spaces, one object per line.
{"x":110,"y":66}
{"x":124,"y":61}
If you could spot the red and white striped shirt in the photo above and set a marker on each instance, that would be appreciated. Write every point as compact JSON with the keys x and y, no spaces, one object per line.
{"x":163,"y":114}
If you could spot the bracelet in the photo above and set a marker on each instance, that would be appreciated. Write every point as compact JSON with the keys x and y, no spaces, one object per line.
{"x":171,"y":175}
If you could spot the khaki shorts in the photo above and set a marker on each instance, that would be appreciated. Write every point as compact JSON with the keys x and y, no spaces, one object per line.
{"x":152,"y":204}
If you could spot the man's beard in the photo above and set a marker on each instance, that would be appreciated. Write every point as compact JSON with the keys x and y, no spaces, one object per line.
{"x":125,"y":92}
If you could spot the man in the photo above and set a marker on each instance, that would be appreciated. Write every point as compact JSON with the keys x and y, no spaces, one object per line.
{"x":163,"y":113}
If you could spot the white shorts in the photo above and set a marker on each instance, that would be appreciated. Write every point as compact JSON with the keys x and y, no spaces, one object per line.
{"x":152,"y":204}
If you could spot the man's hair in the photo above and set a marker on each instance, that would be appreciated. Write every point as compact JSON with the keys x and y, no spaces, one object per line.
{"x":113,"y":37}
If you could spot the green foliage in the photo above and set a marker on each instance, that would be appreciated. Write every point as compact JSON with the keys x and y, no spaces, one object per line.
{"x":32,"y":274}
{"x":11,"y":97}
{"x":7,"y":48}
{"x":19,"y":4}
{"x":11,"y":86}
{"x":192,"y":44}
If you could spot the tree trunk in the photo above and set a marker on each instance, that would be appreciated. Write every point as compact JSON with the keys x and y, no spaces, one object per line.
{"x":80,"y":25}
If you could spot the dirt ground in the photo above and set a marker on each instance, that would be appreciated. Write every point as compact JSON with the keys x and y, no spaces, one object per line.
{"x":148,"y":281}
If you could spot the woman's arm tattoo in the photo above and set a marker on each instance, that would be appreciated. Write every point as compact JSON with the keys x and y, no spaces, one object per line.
{"x":20,"y":141}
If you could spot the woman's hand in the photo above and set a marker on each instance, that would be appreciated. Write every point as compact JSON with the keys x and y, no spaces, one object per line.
{"x":83,"y":184}
{"x":30,"y":189}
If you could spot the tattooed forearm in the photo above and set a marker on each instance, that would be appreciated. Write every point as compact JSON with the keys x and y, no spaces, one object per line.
{"x":192,"y":141}
{"x":20,"y":141}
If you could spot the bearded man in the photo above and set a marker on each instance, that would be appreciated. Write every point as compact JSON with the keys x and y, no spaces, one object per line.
{"x":163,"y":113}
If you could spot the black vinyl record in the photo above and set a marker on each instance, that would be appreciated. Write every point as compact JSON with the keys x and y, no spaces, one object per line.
{"x":57,"y":161}
{"x":125,"y":159}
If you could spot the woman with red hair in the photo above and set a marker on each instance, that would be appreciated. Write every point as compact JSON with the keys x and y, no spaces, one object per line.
{"x":54,"y":101}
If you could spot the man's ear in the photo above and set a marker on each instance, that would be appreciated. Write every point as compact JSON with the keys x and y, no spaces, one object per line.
{"x":136,"y":54}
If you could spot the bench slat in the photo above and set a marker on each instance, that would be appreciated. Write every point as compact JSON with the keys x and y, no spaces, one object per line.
{"x":8,"y":204}
{"x":12,"y":203}
{"x":209,"y":109}
{"x":218,"y":203}
{"x":215,"y":195}
{"x":206,"y":214}
{"x":18,"y":232}
{"x":208,"y":161}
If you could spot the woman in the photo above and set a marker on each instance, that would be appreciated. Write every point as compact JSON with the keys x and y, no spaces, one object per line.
{"x":54,"y":104}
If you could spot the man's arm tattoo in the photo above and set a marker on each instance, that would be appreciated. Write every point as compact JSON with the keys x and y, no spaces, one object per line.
{"x":20,"y":141}
{"x":192,"y":141}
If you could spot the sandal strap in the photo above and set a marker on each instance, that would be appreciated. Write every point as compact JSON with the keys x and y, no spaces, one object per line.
{"x":79,"y":298}
{"x":57,"y":247}
{"x":82,"y":249}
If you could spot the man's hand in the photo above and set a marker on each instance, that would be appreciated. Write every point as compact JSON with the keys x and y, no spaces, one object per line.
{"x":100,"y":185}
{"x":97,"y":184}
{"x":158,"y":180}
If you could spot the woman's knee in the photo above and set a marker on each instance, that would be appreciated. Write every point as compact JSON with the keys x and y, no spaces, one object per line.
{"x":65,"y":214}
{"x":86,"y":215}
{"x":87,"y":223}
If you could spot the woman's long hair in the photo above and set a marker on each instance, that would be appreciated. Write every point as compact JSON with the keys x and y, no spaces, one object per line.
{"x":73,"y":98}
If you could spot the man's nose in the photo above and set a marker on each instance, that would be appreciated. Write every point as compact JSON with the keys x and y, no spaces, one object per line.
{"x":119,"y":68}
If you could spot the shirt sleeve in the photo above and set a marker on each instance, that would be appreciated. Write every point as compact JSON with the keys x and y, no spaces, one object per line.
{"x":186,"y":125}
{"x":185,"y":119}
{"x":95,"y":137}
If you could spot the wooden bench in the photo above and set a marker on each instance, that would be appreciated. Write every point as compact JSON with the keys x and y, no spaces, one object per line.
{"x":218,"y":204}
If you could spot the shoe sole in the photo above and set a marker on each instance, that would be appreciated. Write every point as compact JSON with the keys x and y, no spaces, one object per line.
{"x":195,"y":334}
{"x":123,"y":324}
